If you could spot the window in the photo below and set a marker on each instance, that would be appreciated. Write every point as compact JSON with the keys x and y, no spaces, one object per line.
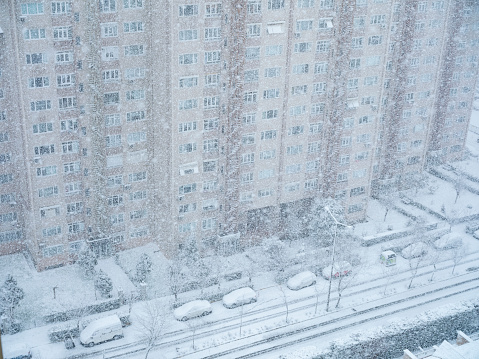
{"x":187,"y":188}
{"x":48,"y":192}
{"x":188,"y":104}
{"x":359,"y":21}
{"x":378,"y":19}
{"x":323,"y":46}
{"x":210,"y":124}
{"x":247,"y":177}
{"x":37,"y":58}
{"x":294,"y":150}
{"x":5,"y":157}
{"x":346,"y":141}
{"x":70,"y":147}
{"x":266,"y":155}
{"x":46,"y":171}
{"x":297,"y":110}
{"x":134,"y":95}
{"x":361,"y":156}
{"x":113,"y":181}
{"x":325,"y":24}
{"x":10,"y":236}
{"x":250,"y":97}
{"x":311,"y":184}
{"x":187,"y":126}
{"x":211,"y":102}
{"x":49,"y":232}
{"x":138,"y":195}
{"x":342,"y":177}
{"x":71,"y":167}
{"x":132,"y":4}
{"x":210,"y":145}
{"x":247,"y":158}
{"x":212,"y":33}
{"x":291,"y":187}
{"x":299,"y":90}
{"x":353,"y":84}
{"x":302,"y":47}
{"x":212,"y":80}
{"x":248,"y":139}
{"x":304,"y":25}
{"x":252,"y":53}
{"x":357,"y":42}
{"x":271,"y":93}
{"x":274,"y":50}
{"x":305,"y":3}
{"x":135,"y":73}
{"x":109,"y":53}
{"x":133,"y":26}
{"x":251,"y":76}
{"x":315,"y":128}
{"x":111,"y":98}
{"x":326,"y":4}
{"x":33,"y":8}
{"x":186,"y":208}
{"x":212,"y":57}
{"x":213,"y":10}
{"x":266,"y":173}
{"x":34,"y":34}
{"x":113,"y":141}
{"x":136,"y":232}
{"x":359,"y":173}
{"x":321,"y":68}
{"x":188,"y":10}
{"x":319,"y":87}
{"x":363,"y":138}
{"x":368,"y":100}
{"x":295,"y":130}
{"x":317,"y":108}
{"x":40,"y":105}
{"x":112,"y":120}
{"x":210,"y":186}
{"x":209,"y":166}
{"x":375,"y":40}
{"x":265,"y":193}
{"x":62,"y":33}
{"x":249,"y":118}
{"x":188,"y":35}
{"x":370,"y":80}
{"x":300,"y":69}
{"x":108,"y":5}
{"x":115,"y":201}
{"x":38,"y":82}
{"x":253,"y":30}
{"x":254,"y":6}
{"x":355,"y":208}
{"x":269,"y":114}
{"x":292,"y":169}
{"x":72,"y":188}
{"x":136,"y":137}
{"x":66,"y":103}
{"x":268,"y":135}
{"x":275,"y":4}
{"x":314,"y":147}
{"x":208,"y":224}
{"x":133,"y":50}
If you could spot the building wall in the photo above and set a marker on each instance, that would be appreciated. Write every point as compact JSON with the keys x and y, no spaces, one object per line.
{"x":218,"y":118}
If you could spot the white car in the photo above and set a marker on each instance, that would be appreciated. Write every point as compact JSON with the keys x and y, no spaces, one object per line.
{"x":340,"y":269}
{"x":301,"y":280}
{"x":196,"y":308}
{"x":239,"y":297}
{"x":414,"y":250}
{"x":447,"y":241}
{"x":102,"y":330}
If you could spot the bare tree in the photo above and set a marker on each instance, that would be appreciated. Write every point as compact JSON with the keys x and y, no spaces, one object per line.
{"x":285,"y":300}
{"x":176,"y":277}
{"x":389,"y":272}
{"x":414,"y":263}
{"x":193,"y":325}
{"x":151,"y":323}
{"x":459,"y":185}
{"x":344,"y":281}
{"x":434,"y":257}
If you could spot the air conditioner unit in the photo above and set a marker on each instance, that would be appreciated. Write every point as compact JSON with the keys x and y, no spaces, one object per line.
{"x":127,"y":187}
{"x":22,"y":18}
{"x":37,"y":160}
{"x":297,"y":35}
{"x":180,"y":198}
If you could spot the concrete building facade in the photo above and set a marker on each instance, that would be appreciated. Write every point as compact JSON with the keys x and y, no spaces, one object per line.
{"x":125,"y":122}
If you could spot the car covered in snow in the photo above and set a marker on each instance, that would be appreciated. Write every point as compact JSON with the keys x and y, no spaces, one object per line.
{"x":340,"y":269}
{"x":472,"y":227}
{"x":239,"y":297}
{"x":102,"y":330}
{"x":476,"y":234}
{"x":448,"y":241}
{"x":301,"y":280}
{"x":415,"y":250}
{"x":193,"y":309}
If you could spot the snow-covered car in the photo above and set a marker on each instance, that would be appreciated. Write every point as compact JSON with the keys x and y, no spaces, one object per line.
{"x":447,"y":241}
{"x":301,"y":280}
{"x":476,"y":234}
{"x":102,"y":330}
{"x":239,"y":297}
{"x":193,"y":309}
{"x":414,"y":250}
{"x":472,"y":227}
{"x":340,"y":269}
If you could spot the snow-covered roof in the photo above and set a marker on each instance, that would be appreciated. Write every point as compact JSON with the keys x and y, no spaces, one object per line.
{"x":448,"y":351}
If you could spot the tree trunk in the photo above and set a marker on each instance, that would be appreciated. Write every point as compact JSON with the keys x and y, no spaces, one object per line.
{"x":457,"y":196}
{"x":148,"y":351}
{"x":386,"y":214}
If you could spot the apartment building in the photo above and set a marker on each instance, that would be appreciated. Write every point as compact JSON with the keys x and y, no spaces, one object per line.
{"x":130,"y":121}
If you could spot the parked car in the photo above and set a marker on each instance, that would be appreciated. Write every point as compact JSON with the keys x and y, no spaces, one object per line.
{"x":476,"y":234}
{"x":388,"y":258}
{"x":102,"y":330}
{"x":340,"y":269}
{"x":301,"y":280}
{"x":472,"y":227}
{"x":239,"y":297}
{"x":447,"y":241}
{"x":193,"y":309}
{"x":414,"y":250}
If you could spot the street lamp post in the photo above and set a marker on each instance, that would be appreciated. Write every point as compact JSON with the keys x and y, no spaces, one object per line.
{"x":336,"y":222}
